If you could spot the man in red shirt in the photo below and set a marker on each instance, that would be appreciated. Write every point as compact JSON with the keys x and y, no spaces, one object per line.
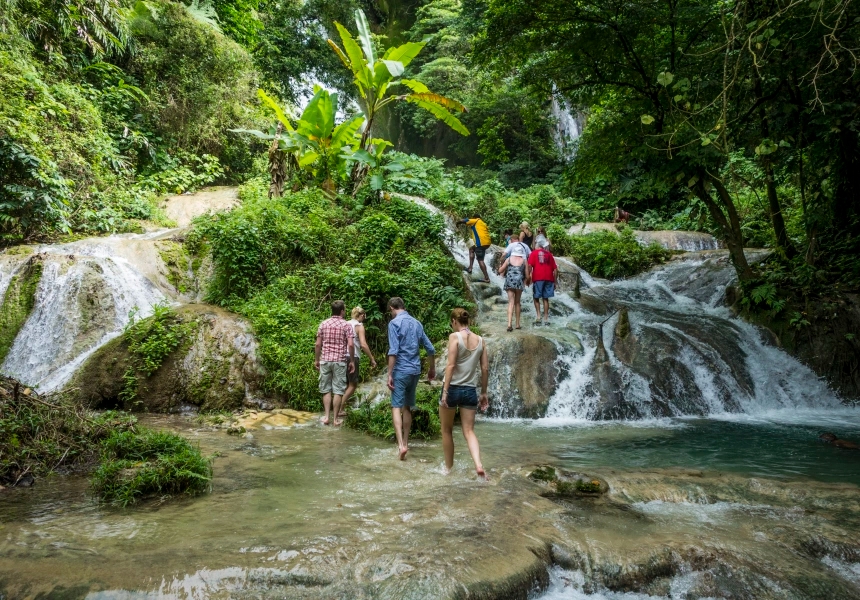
{"x":542,"y":271}
{"x":333,"y":354}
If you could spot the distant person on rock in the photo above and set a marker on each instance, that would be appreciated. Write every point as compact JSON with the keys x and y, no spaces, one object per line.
{"x":526,"y":235}
{"x":333,"y":354}
{"x":466,"y":357}
{"x":481,"y":235}
{"x":542,"y":272}
{"x":514,"y":270}
{"x":541,"y":241}
{"x":621,"y":216}
{"x":359,"y":343}
{"x":405,"y":337}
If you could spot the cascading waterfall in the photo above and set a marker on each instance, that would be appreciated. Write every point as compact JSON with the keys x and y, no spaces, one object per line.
{"x":686,"y":354}
{"x":84,"y":298}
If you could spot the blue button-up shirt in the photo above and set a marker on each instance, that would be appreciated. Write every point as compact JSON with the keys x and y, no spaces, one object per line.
{"x":405,"y":335}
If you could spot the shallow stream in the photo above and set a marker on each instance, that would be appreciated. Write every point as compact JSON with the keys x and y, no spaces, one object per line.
{"x":747,"y":507}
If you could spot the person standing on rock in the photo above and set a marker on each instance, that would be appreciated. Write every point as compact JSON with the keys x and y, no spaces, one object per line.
{"x":359,"y":342}
{"x":333,"y":354}
{"x":466,"y":357}
{"x":541,"y":241}
{"x":514,"y":270}
{"x":481,"y":234}
{"x":526,"y":235}
{"x":542,"y":271}
{"x":405,"y":337}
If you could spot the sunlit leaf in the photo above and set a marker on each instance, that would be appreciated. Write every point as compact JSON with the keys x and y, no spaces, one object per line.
{"x":279,"y":112}
{"x":364,"y":36}
{"x":665,"y":78}
{"x":646,"y":119}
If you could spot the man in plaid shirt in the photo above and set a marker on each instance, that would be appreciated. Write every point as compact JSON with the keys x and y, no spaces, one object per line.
{"x":333,"y":355}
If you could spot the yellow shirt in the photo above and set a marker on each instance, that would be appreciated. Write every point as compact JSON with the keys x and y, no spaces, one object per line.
{"x":480,"y":232}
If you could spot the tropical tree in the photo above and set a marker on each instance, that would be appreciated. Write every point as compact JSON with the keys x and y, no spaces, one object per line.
{"x":313,"y":149}
{"x":374,"y":76}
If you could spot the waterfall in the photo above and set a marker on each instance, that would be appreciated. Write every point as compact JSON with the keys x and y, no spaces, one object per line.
{"x":84,"y":297}
{"x":686,"y":353}
{"x":568,"y":127}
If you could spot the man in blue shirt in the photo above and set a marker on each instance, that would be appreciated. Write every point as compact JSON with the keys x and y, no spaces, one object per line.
{"x":405,"y":336}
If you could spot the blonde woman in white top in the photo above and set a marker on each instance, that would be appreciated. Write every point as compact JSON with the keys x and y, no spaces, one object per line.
{"x":360,"y":344}
{"x":466,"y":357}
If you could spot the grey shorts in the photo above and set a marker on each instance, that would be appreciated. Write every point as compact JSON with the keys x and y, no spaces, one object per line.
{"x":353,"y":377}
{"x":333,"y":378}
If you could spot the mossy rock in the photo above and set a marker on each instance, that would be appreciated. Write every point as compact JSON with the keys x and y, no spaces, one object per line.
{"x":560,"y":483}
{"x":214,"y":368}
{"x":18,"y":302}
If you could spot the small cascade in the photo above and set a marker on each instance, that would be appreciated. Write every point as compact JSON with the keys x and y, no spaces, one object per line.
{"x":84,"y":298}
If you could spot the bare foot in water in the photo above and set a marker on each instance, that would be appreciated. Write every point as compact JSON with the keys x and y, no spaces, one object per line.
{"x":338,"y":422}
{"x":403,"y":451}
{"x":324,"y":420}
{"x":481,"y":473}
{"x":341,"y":414}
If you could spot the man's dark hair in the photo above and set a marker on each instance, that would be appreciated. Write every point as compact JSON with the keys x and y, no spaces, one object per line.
{"x":397,"y":303}
{"x":509,"y":232}
{"x":337,"y":307}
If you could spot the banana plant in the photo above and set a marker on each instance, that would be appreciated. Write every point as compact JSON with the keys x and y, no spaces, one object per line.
{"x":314,"y":147}
{"x":374,"y":163}
{"x":373,"y":76}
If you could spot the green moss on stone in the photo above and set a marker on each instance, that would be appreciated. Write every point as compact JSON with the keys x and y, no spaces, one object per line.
{"x":18,"y":303}
{"x":179,"y":265}
{"x":543,"y":474}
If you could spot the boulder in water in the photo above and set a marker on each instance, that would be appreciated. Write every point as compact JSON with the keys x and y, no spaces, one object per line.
{"x":215,"y":368}
{"x":561,"y":483}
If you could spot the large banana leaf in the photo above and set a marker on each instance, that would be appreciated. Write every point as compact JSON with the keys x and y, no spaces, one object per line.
{"x":317,"y":122}
{"x":345,"y":133}
{"x":404,"y":53}
{"x":364,"y":36}
{"x":441,"y":100}
{"x":354,"y":60}
{"x":395,"y":67}
{"x":415,"y":85}
{"x":255,"y":132}
{"x":439,"y":112}
{"x":279,"y":112}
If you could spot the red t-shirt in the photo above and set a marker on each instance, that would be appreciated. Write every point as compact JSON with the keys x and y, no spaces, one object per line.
{"x":543,"y":264}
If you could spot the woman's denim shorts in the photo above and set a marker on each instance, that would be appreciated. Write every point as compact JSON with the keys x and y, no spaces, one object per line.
{"x":464,"y":396}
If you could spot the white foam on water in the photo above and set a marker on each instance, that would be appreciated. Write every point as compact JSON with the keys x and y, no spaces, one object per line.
{"x":570,"y":585}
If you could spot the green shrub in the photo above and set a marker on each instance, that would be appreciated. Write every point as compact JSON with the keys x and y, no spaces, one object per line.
{"x":145,"y":463}
{"x":280,"y":262}
{"x":609,"y":255}
{"x":376,"y":420}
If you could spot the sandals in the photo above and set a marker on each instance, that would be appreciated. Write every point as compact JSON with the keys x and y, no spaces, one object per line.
{"x":487,"y":281}
{"x":469,"y":271}
{"x":510,"y":329}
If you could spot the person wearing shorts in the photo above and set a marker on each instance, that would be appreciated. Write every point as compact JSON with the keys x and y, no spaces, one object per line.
{"x":542,"y":270}
{"x":333,"y":356}
{"x":359,"y":342}
{"x":481,"y":236}
{"x":405,"y":337}
{"x":466,"y":357}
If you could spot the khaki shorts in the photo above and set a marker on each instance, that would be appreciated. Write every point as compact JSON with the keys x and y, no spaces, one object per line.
{"x":333,"y":378}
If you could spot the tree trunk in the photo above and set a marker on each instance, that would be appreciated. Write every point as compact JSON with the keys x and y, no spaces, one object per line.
{"x":776,"y":218}
{"x":728,"y":222}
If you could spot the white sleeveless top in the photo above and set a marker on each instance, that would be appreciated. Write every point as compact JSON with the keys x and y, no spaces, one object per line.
{"x":468,"y":362}
{"x":356,"y":351}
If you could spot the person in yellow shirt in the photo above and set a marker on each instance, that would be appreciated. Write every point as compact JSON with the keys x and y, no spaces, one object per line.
{"x":481,"y":235}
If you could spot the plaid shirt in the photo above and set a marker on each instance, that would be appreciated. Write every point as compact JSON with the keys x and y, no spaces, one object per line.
{"x":335,"y":334}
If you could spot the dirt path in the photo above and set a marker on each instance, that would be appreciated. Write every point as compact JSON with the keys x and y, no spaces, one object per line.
{"x":185,"y":207}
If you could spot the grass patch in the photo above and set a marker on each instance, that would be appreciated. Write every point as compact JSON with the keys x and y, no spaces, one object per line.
{"x":146,"y":463}
{"x":18,"y":302}
{"x":375,"y":420}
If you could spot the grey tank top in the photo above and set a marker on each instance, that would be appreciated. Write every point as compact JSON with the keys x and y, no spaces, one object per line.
{"x":468,"y":361}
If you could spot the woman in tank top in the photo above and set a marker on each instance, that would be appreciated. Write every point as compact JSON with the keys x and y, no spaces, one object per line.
{"x":360,"y":345}
{"x":466,"y":358}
